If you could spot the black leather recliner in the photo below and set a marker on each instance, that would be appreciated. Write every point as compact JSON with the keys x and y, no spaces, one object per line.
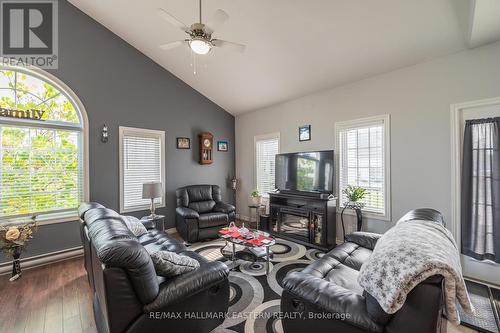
{"x":326,"y":296}
{"x":128,"y":296}
{"x":200,"y":212}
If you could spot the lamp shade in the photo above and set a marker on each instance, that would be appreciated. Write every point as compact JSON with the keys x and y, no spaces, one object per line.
{"x":152,"y":190}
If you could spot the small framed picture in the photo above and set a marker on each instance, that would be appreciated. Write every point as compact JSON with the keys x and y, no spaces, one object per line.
{"x":305,"y":133}
{"x":222,"y":146}
{"x":183,"y":143}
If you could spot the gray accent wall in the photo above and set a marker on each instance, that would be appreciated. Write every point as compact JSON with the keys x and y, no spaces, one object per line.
{"x":119,"y":86}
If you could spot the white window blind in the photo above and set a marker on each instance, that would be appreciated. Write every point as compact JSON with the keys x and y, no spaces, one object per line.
{"x":42,"y":159}
{"x":266,"y":148}
{"x":362,"y":162}
{"x":141,"y":161}
{"x":40,"y":170}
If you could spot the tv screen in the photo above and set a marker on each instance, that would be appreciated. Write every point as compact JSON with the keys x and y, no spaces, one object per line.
{"x":305,"y":172}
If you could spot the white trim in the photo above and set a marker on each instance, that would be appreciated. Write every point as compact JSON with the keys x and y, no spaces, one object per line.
{"x":456,"y":158}
{"x":342,"y":125}
{"x":82,"y":114}
{"x":44,"y":259}
{"x":43,"y":219}
{"x":268,"y":136}
{"x":243,"y":217}
{"x":143,"y":132}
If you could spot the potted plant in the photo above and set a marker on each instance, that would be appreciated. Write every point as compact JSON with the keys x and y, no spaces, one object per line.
{"x":255,"y":197}
{"x":13,"y":239}
{"x":354,"y":195}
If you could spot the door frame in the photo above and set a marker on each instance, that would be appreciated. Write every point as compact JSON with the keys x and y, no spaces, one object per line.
{"x":456,"y":171}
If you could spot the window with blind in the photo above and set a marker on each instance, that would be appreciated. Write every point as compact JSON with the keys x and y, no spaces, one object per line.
{"x":363,"y":155}
{"x":142,"y":160}
{"x":41,"y":160}
{"x":266,"y":148}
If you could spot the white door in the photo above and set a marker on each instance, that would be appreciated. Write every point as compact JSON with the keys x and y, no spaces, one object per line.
{"x":484,"y":270}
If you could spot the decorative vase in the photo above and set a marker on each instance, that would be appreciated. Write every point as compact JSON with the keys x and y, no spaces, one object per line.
{"x":255,"y":201}
{"x":16,"y":264}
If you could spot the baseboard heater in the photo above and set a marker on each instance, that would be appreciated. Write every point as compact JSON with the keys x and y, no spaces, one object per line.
{"x":43,"y":259}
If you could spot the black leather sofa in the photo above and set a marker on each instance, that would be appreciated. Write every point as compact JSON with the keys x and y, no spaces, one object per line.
{"x":128,"y":296}
{"x":326,"y":296}
{"x":200,"y":212}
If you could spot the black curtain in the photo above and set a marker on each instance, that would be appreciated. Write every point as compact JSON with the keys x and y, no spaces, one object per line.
{"x":480,"y":218}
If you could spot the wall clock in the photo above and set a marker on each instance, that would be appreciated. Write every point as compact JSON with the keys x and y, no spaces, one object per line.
{"x":206,"y":148}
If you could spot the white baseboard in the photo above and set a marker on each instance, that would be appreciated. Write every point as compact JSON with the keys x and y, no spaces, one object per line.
{"x":44,"y":259}
{"x":244,"y":218}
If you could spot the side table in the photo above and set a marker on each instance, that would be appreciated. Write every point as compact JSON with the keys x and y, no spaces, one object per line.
{"x":257,"y":214}
{"x":153,"y":222}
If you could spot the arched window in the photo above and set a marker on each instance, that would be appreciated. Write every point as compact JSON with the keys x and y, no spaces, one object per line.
{"x":42,"y":145}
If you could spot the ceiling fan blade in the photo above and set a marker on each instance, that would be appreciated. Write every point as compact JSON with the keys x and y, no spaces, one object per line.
{"x":229,"y":45}
{"x":172,"y":20}
{"x":172,"y":45}
{"x":218,"y":19}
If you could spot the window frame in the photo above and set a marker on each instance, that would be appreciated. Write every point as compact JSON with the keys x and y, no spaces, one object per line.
{"x":122,"y":130}
{"x":362,"y":122}
{"x":82,"y":126}
{"x":274,"y":135}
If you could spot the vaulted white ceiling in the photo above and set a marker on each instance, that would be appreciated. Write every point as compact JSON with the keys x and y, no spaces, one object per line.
{"x":294,"y":47}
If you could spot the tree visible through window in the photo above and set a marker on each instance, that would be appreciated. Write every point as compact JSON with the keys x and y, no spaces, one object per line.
{"x":41,"y":167}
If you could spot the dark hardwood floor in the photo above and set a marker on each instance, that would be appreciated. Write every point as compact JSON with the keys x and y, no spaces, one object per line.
{"x":54,"y":298}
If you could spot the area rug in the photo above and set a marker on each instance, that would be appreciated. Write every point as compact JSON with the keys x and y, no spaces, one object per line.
{"x":484,"y":300}
{"x":254,"y":303}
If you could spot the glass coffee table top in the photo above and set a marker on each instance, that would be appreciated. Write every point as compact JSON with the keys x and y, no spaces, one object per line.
{"x":247,"y":237}
{"x":255,"y":242}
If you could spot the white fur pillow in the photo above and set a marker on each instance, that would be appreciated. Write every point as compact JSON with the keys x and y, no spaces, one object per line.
{"x":134,"y":225}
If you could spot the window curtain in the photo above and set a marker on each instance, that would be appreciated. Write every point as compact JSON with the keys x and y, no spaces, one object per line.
{"x":480,"y":220}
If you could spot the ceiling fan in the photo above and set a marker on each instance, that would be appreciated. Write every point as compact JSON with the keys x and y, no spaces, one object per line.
{"x":200,"y":35}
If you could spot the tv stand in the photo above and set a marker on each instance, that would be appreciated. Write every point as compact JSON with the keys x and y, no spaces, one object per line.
{"x":304,"y":218}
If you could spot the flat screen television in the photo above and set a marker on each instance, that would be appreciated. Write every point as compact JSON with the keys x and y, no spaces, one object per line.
{"x":311,"y":172}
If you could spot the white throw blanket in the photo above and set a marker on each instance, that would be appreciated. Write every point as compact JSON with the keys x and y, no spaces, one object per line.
{"x":406,"y":255}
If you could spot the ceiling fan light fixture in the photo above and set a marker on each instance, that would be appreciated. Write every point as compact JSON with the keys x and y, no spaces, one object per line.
{"x":200,"y":46}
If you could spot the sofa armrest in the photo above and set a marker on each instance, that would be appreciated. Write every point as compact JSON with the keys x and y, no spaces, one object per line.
{"x":223,"y":208}
{"x":188,"y":284}
{"x":364,"y":239}
{"x":187,"y":213}
{"x":331,"y":298}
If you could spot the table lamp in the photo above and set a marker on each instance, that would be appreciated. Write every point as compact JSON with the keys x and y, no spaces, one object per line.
{"x":152,"y":191}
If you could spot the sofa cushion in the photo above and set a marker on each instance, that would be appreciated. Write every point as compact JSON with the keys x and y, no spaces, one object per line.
{"x":350,"y":254}
{"x":346,"y":277}
{"x":169,"y":264}
{"x":330,"y":269}
{"x":365,"y":239}
{"x":209,"y":220}
{"x":202,"y":206}
{"x":134,"y":225}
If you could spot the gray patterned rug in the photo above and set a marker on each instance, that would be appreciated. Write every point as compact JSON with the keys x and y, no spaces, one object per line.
{"x":254,"y":302}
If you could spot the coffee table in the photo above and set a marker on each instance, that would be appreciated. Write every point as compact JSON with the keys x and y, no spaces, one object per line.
{"x":255,"y":241}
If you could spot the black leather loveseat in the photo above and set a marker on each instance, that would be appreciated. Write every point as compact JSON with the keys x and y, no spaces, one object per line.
{"x":326,"y":296}
{"x":200,"y":212}
{"x":128,"y":296}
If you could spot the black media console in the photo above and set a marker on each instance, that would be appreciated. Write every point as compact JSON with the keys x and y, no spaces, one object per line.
{"x":310,"y":220}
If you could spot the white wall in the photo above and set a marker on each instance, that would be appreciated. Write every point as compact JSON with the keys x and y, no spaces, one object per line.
{"x":418,"y":99}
